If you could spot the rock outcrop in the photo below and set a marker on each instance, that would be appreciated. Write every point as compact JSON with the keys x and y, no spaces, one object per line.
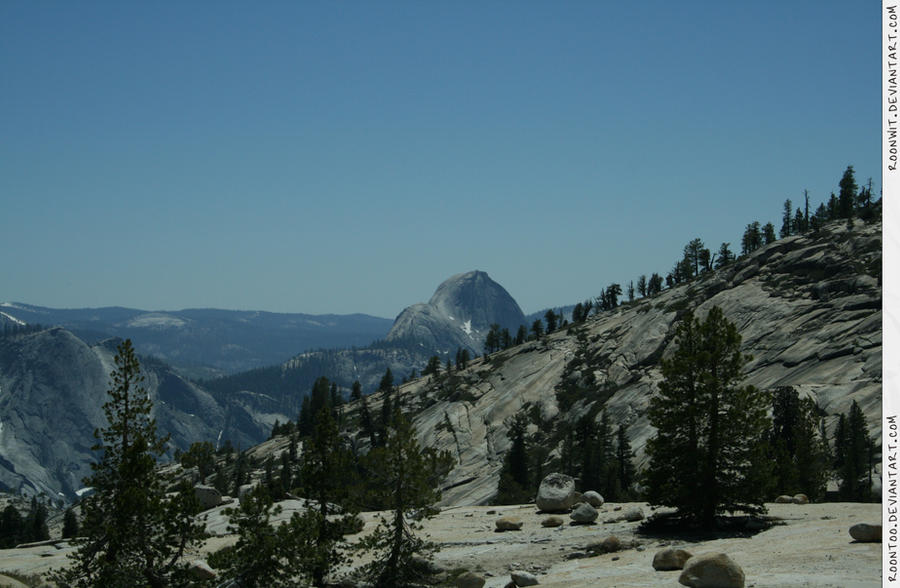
{"x":808,"y":309}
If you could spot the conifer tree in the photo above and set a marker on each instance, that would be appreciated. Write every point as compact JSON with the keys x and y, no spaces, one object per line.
{"x":799,"y":453}
{"x":787,"y":220}
{"x":514,"y":484}
{"x":854,"y":471}
{"x":405,"y":477}
{"x":135,"y":534}
{"x":847,"y":194}
{"x":708,"y":453}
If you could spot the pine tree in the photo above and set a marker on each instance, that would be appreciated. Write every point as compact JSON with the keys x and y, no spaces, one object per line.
{"x":854,"y":472}
{"x":725,"y":256}
{"x":405,"y":477}
{"x":799,"y":453}
{"x":71,"y":528}
{"x":135,"y":534}
{"x":786,"y":220}
{"x":847,"y":194}
{"x":326,"y":473}
{"x":514,"y":484}
{"x":768,"y":233}
{"x":708,"y":453}
{"x":626,"y":472}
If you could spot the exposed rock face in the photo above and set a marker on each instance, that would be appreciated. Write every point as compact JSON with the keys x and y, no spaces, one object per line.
{"x":808,"y":309}
{"x":712,"y":570}
{"x":556,"y":493}
{"x":459,"y":314}
{"x":207,"y":496}
{"x":52,"y":390}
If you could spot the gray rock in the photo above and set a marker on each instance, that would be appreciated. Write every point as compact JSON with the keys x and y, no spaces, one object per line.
{"x":784,"y":499}
{"x":508,"y":524}
{"x":609,"y":545}
{"x":866,"y":533}
{"x":469,"y":580}
{"x":552,"y":522}
{"x":712,"y":570}
{"x":633,"y":514}
{"x":593,"y":498}
{"x":584,"y":513}
{"x":522,"y":578}
{"x":670,"y":559}
{"x":556,"y":493}
{"x":207,"y":496}
{"x":800,"y":499}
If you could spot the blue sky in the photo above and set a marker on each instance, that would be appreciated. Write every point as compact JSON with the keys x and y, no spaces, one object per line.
{"x":338,"y":157}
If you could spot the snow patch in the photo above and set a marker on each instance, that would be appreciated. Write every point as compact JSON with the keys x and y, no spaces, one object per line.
{"x":83,"y":491}
{"x":467,"y":327}
{"x":11,"y":317}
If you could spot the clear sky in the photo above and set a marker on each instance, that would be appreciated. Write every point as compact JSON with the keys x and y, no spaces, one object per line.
{"x":341,"y":156}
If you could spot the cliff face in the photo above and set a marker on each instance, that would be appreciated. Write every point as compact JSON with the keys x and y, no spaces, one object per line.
{"x":52,"y":390}
{"x":808,"y":309}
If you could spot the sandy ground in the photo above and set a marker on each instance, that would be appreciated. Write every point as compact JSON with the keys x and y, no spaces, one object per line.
{"x":811,"y":549}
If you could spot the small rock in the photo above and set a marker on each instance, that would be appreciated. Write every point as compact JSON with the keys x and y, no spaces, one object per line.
{"x":522,"y":578}
{"x":617,"y":508}
{"x":469,"y":580}
{"x":634,"y":514}
{"x":584,"y":514}
{"x":784,"y":499}
{"x":865,"y":533}
{"x":508,"y":524}
{"x":670,"y":559}
{"x":491,"y":512}
{"x":593,"y":498}
{"x":800,"y":499}
{"x":552,"y":522}
{"x":609,"y":545}
{"x":712,"y":570}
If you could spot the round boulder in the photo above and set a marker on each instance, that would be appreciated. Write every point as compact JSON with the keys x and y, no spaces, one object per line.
{"x":800,"y":499}
{"x":469,"y":580}
{"x":593,"y":498}
{"x":712,"y":570}
{"x":865,"y":533}
{"x":633,"y":514}
{"x":609,"y":545}
{"x":784,"y":499}
{"x":552,"y":522}
{"x":583,"y":514}
{"x":556,"y":493}
{"x":670,"y":559}
{"x":508,"y":524}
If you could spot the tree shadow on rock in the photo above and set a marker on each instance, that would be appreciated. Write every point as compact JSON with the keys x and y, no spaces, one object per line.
{"x":675,"y":526}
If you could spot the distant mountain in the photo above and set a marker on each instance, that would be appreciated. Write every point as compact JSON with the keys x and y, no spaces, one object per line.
{"x":207,"y":342}
{"x":458,"y":315}
{"x":52,"y":389}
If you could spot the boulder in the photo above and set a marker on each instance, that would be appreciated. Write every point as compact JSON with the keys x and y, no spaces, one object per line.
{"x":784,"y":499}
{"x":556,"y":493}
{"x":593,"y":498}
{"x":633,"y":514}
{"x":583,"y":514}
{"x":670,"y":559}
{"x":552,"y":522}
{"x":522,"y":578}
{"x":712,"y":570}
{"x":800,"y":499}
{"x":508,"y":524}
{"x":245,"y":488}
{"x":609,"y":545}
{"x":866,"y":533}
{"x":207,"y":496}
{"x":469,"y":580}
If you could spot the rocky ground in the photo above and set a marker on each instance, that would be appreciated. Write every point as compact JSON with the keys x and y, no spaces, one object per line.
{"x":808,"y":547}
